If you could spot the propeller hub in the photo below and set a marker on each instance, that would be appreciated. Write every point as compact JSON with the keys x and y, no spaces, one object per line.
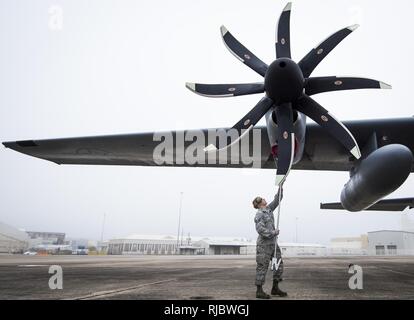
{"x":284,"y":81}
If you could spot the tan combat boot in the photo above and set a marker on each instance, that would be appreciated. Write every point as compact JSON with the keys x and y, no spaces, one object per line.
{"x":260,"y":294}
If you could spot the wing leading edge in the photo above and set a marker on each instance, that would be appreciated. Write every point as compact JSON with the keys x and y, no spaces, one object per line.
{"x":321,"y":152}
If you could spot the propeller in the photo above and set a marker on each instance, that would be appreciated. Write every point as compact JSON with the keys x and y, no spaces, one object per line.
{"x":288,"y":86}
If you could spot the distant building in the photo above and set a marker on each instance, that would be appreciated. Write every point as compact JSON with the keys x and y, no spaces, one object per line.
{"x":302,"y":249}
{"x":12,"y":240}
{"x":167,"y":245}
{"x":226,"y":246}
{"x":349,"y":245}
{"x":76,"y":244}
{"x":192,"y":250}
{"x":102,"y":247}
{"x":55,"y":249}
{"x":390,"y":242}
{"x":44,"y":238}
{"x":143,"y":244}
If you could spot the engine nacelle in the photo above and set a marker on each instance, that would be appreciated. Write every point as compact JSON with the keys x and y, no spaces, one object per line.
{"x":376,"y":176}
{"x":299,"y":128}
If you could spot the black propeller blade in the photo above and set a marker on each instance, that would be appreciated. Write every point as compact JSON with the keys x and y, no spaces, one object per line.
{"x":247,"y":122}
{"x":325,"y":84}
{"x":317,"y":54}
{"x":255,"y":114}
{"x":286,"y":141}
{"x":283,"y":33}
{"x":242,"y":53}
{"x":225,"y":90}
{"x":326,"y":120}
{"x":288,"y":85}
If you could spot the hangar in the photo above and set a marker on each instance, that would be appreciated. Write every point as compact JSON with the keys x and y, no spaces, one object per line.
{"x":143,"y":244}
{"x":349,"y":246}
{"x":224,"y":247}
{"x":391,"y":242}
{"x":12,"y":240}
{"x":167,"y":245}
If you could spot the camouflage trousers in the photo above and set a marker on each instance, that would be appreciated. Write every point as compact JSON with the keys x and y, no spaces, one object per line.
{"x":264,"y":255}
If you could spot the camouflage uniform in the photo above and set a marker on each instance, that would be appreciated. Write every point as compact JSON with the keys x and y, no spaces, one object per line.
{"x":265,"y":246}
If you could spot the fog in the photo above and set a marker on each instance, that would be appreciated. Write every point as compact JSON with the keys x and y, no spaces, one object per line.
{"x":108,"y":67}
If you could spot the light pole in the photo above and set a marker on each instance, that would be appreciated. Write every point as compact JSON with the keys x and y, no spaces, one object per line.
{"x":182,"y":236}
{"x":103,"y":227}
{"x":179,"y":221}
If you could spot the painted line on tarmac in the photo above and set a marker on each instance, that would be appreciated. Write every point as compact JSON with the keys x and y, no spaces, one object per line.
{"x":118,"y":291}
{"x":395,"y":271}
{"x":31,"y":265}
{"x":345,"y":267}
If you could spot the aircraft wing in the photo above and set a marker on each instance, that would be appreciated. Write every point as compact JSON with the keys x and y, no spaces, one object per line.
{"x":383,"y":205}
{"x":321,"y":152}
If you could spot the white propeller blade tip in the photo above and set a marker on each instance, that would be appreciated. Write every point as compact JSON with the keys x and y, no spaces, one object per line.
{"x":223,"y":30}
{"x":353,"y":27}
{"x":355,"y":152}
{"x":210,"y":148}
{"x":288,"y":7}
{"x":191,"y":86}
{"x":279,"y":179}
{"x":385,"y":86}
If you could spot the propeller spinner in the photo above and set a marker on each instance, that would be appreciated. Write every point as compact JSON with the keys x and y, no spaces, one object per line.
{"x":288,"y":86}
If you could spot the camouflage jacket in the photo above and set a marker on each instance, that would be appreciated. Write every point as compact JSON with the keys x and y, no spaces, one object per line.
{"x":265,"y":223}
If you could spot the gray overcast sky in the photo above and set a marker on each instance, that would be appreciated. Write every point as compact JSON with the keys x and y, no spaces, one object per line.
{"x":120,"y":67}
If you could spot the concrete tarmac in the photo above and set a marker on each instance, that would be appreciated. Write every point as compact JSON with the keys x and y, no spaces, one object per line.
{"x":200,"y":277}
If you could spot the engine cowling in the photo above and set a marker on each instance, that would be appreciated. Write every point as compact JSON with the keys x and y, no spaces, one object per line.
{"x":376,"y":176}
{"x":299,"y":128}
